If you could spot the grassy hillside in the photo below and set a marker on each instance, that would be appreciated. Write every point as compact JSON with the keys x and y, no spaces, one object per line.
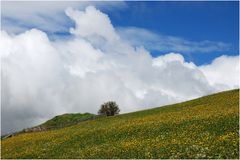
{"x":66,"y":120}
{"x":207,"y":127}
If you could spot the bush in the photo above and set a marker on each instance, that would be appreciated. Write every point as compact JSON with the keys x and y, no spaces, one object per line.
{"x":109,"y":109}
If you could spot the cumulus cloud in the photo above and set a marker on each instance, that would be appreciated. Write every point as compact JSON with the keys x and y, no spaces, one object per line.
{"x":31,"y":70}
{"x":42,"y":78}
{"x":223,"y":72}
{"x":92,"y":22}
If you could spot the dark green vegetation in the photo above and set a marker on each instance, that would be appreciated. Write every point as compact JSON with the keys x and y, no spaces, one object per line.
{"x":67,"y":120}
{"x":207,"y":127}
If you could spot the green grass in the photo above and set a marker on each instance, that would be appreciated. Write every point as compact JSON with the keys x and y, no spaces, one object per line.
{"x":207,"y":127}
{"x":66,"y":120}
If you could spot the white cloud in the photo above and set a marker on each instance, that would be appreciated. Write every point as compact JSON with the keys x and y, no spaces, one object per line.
{"x":153,"y":41}
{"x":43,"y":78}
{"x":223,"y":72}
{"x":92,"y":22}
{"x":31,"y":70}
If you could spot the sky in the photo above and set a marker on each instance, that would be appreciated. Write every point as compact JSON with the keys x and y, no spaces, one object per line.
{"x":61,"y":57}
{"x":193,"y":21}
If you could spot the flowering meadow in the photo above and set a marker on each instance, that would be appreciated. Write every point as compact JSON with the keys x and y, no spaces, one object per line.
{"x":207,"y":127}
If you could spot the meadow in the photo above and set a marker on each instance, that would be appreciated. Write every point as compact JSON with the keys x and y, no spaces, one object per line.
{"x":207,"y":127}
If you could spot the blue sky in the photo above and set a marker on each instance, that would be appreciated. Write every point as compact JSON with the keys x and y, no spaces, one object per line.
{"x":194,"y":21}
{"x":201,"y":30}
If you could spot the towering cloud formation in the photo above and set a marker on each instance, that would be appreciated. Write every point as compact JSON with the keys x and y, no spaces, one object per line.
{"x":43,"y":78}
{"x":92,"y":22}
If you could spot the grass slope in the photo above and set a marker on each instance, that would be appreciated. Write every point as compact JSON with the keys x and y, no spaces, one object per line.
{"x":207,"y":127}
{"x":66,"y":120}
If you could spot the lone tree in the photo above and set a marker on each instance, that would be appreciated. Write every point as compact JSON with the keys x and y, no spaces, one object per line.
{"x":109,"y":108}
